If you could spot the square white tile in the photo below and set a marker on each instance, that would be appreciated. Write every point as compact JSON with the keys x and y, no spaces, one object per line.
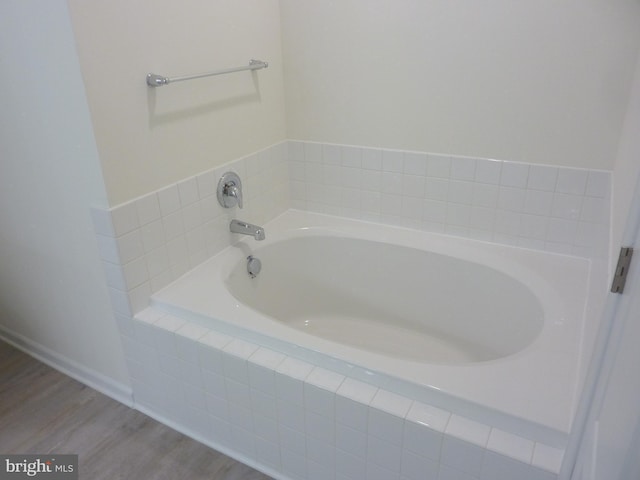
{"x":514,"y":174}
{"x":547,"y":458}
{"x":351,"y":440}
{"x":351,"y":156}
{"x":392,"y":161}
{"x":542,"y":177}
{"x":463,"y":456}
{"x":415,"y":163}
{"x":488,"y":171}
{"x":350,"y":466}
{"x":417,"y":467}
{"x":386,"y":425}
{"x":124,"y":218}
{"x":169,"y":199}
{"x":438,"y":166}
{"x":383,"y":453}
{"x":188,"y":191}
{"x":463,"y":168}
{"x":500,"y":467}
{"x":372,"y":159}
{"x":352,"y":413}
{"x":468,"y":430}
{"x":511,"y":445}
{"x":572,"y":181}
{"x":320,"y":401}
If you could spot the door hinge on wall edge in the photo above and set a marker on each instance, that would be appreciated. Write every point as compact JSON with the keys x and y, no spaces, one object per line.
{"x":622,"y":268}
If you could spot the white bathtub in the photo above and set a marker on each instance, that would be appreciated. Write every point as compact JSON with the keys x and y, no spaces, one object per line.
{"x":492,"y":332}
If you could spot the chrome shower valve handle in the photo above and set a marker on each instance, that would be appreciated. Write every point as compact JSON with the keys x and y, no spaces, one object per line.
{"x":230,"y":190}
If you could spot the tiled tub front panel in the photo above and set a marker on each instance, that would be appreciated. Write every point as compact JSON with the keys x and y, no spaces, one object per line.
{"x":295,"y":420}
{"x":563,"y":210}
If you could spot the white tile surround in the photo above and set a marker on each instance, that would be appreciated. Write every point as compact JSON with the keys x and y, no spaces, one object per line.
{"x":298,"y":421}
{"x":557,"y":209}
{"x":148,"y":242}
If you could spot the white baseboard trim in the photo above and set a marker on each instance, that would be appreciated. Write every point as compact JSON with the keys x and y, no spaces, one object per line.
{"x":150,"y":412}
{"x":96,"y":380}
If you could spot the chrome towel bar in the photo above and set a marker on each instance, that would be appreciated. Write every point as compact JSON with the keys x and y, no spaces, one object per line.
{"x":154,"y":80}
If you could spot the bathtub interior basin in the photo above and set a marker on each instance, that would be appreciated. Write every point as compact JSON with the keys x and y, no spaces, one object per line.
{"x":399,"y":301}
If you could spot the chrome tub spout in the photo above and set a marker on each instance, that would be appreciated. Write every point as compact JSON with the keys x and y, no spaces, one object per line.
{"x":244,"y":228}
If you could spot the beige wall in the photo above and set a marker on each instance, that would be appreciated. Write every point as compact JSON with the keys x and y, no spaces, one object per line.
{"x":543,"y":82}
{"x":540,"y":81}
{"x":148,"y":138}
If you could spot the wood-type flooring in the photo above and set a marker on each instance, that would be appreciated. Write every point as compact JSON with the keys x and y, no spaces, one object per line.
{"x":44,"y":411}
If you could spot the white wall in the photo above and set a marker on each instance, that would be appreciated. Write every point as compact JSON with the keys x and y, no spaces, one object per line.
{"x":52,"y":289}
{"x":627,"y":166}
{"x":609,"y":434}
{"x":609,"y":446}
{"x":149,"y":138}
{"x":542,"y":82}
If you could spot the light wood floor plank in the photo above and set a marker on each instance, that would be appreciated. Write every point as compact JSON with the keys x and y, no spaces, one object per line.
{"x":44,"y":411}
